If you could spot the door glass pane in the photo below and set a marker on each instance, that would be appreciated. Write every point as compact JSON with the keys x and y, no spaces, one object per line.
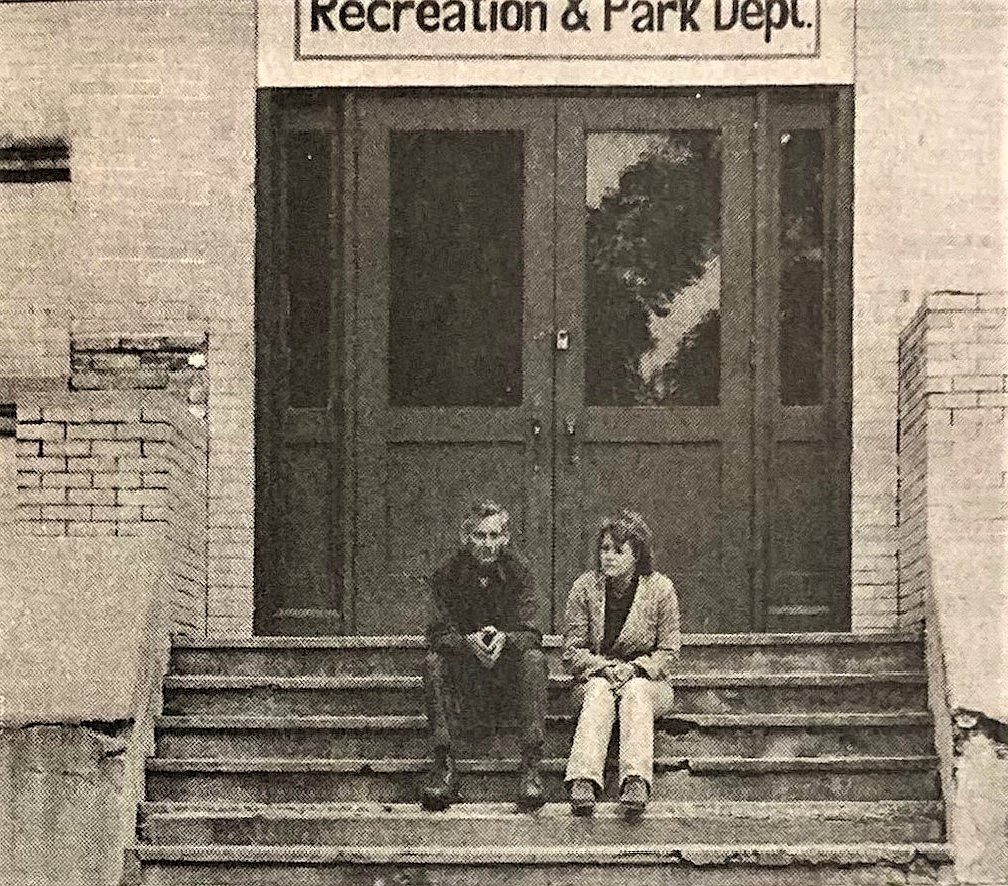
{"x":801,"y":267}
{"x":653,"y":257}
{"x":309,"y":268}
{"x":455,"y":312}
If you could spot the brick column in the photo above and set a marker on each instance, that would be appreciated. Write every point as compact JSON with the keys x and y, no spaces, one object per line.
{"x":953,"y":547}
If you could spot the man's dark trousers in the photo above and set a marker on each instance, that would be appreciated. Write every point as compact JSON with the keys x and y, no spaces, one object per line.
{"x":461,"y":693}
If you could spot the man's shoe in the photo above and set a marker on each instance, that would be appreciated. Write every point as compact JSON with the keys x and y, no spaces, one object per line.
{"x":633,"y":796}
{"x":441,"y":789}
{"x":582,"y":796}
{"x":531,"y":791}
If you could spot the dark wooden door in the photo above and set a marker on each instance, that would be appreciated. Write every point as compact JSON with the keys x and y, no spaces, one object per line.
{"x":453,"y":349}
{"x":654,"y":290}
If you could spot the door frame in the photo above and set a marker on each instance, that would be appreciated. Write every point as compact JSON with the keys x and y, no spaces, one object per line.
{"x":731,"y":115}
{"x":342,"y":107}
{"x":378,"y":422}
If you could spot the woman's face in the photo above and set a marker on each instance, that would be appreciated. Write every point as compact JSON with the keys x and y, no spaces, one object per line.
{"x":616,"y":561}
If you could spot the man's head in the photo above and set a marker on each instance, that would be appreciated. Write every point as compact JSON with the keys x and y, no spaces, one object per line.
{"x":484,"y":531}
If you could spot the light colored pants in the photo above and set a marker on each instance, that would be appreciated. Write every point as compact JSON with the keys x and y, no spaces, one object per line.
{"x":636,"y":703}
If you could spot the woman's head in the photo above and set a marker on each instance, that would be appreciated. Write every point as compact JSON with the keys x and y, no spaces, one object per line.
{"x":624,"y":544}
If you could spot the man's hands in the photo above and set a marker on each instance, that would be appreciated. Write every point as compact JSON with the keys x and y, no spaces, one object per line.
{"x":618,"y":673}
{"x":486,"y":645}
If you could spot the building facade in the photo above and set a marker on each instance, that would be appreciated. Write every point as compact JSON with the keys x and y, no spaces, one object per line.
{"x":263,"y":294}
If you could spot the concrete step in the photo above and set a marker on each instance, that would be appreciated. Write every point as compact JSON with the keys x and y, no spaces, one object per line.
{"x":497,"y":824}
{"x":665,"y":864}
{"x":194,"y":694}
{"x":397,"y":780}
{"x":745,"y":735}
{"x":702,"y":653}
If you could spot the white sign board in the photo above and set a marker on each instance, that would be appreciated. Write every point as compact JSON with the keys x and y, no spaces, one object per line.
{"x":550,"y":42}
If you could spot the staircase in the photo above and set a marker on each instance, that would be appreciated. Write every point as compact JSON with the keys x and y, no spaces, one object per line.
{"x":791,"y":759}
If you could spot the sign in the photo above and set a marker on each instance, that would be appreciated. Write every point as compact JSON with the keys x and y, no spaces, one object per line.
{"x":550,"y":42}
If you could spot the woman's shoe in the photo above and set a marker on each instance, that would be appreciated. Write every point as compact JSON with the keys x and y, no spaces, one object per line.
{"x":582,"y":796}
{"x":633,"y":796}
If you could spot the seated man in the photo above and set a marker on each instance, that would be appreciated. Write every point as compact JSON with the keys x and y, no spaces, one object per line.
{"x":484,"y":658}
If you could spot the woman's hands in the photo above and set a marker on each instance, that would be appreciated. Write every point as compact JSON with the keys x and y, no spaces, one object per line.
{"x":618,"y":673}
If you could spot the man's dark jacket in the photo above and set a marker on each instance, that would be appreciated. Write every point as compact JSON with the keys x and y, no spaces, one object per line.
{"x":458,"y":603}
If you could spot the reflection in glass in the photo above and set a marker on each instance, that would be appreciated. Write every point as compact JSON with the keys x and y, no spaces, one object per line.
{"x":455,"y":310}
{"x":653,"y":288}
{"x":309,"y":269}
{"x":801,"y":267}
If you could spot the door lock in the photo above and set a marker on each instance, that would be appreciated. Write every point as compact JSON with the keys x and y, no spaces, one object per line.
{"x":562,"y":340}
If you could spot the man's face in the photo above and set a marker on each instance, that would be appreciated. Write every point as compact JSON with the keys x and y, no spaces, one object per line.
{"x":487,"y":539}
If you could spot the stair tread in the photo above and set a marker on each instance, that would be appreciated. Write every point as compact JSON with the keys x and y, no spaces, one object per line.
{"x":415,"y":682}
{"x":388,"y":722}
{"x":649,"y":853}
{"x":411,"y":764}
{"x":657,"y":809}
{"x":550,"y":641}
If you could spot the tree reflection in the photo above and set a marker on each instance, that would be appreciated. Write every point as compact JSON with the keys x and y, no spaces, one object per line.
{"x":650,"y":237}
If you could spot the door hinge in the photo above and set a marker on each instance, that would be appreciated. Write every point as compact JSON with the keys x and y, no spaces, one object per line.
{"x":752,"y":353}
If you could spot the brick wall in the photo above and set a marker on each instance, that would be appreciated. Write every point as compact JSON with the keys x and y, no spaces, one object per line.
{"x":120,"y":465}
{"x":929,"y":124}
{"x":953,"y":453}
{"x":953,"y":543}
{"x":154,"y":233}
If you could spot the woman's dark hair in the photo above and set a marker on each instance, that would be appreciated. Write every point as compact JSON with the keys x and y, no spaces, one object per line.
{"x":631,"y":527}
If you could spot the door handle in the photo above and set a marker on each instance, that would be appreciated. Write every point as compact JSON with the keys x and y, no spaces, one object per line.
{"x":571,"y":428}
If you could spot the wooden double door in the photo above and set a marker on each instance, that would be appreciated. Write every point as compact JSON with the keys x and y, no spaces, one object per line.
{"x":569,"y":303}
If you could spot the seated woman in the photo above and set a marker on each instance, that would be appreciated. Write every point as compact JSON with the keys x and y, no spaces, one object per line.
{"x":622,"y":636}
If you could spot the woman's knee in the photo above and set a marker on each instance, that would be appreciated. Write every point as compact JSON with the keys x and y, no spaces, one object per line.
{"x":594,"y":692}
{"x":638,"y":689}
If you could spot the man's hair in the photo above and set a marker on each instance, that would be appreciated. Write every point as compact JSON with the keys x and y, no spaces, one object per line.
{"x":479,"y":511}
{"x":631,"y":527}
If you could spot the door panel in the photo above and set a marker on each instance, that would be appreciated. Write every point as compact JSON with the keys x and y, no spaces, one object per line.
{"x":299,"y":513}
{"x":807,"y":553}
{"x":453,"y":352}
{"x":654,"y":395}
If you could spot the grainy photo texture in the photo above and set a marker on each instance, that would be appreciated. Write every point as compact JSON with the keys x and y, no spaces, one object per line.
{"x":524,"y":442}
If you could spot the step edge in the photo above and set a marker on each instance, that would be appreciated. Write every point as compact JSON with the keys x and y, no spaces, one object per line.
{"x":483,"y":765}
{"x":407,"y":682}
{"x":550,"y":641}
{"x":750,"y":810}
{"x":700,"y":854}
{"x":391,"y":722}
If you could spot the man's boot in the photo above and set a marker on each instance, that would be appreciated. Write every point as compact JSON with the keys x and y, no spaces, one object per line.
{"x":441,"y":789}
{"x":531,"y":791}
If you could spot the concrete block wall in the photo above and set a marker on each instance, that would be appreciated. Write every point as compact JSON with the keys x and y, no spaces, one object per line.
{"x":126,"y":464}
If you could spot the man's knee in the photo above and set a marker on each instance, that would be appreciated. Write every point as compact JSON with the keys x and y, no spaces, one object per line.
{"x":433,"y":664}
{"x":534,"y":660}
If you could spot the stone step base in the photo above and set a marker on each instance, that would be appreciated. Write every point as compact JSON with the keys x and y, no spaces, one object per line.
{"x":498,"y":824}
{"x":403,"y":694}
{"x":399,"y":780}
{"x":403,"y":655}
{"x":744,"y":735}
{"x":899,"y":864}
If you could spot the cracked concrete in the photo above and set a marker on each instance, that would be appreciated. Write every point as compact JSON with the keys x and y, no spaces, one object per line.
{"x":62,"y":796}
